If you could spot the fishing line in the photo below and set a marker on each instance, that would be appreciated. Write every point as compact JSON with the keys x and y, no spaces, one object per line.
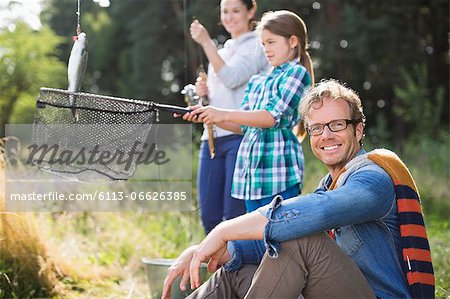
{"x":185,"y":41}
{"x":210,"y":171}
{"x":185,"y":64}
{"x":78,"y":18}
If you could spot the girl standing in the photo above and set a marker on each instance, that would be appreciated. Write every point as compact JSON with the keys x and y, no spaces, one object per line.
{"x":229,"y":70}
{"x":270,"y":158}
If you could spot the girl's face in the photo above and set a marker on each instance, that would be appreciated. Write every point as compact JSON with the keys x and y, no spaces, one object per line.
{"x":277,"y":48}
{"x":235,"y":17}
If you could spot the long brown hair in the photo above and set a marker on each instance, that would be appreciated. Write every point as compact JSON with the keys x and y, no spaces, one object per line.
{"x":286,"y":23}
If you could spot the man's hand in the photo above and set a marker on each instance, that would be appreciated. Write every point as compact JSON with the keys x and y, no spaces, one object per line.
{"x":179,"y":268}
{"x":213,"y":249}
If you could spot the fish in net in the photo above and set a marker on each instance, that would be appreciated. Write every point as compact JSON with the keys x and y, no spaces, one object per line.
{"x":105,"y":141}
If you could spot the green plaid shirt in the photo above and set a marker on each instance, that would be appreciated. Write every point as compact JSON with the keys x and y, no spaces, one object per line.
{"x":271,"y":160}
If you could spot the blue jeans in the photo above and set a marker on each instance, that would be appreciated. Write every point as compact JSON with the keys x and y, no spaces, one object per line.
{"x":214,"y":181}
{"x":288,"y":193}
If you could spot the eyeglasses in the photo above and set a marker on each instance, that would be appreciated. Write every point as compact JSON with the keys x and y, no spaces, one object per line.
{"x":334,"y":126}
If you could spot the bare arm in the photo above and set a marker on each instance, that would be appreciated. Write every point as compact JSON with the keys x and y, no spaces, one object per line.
{"x":229,"y":126}
{"x":232,"y":127}
{"x":200,"y":35}
{"x":256,"y":118}
{"x":246,"y":227}
{"x":213,"y":56}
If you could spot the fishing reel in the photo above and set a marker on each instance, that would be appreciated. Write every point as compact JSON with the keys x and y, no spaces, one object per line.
{"x":190,"y":96}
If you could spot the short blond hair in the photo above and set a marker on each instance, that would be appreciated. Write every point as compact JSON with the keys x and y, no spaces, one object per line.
{"x":332,"y":89}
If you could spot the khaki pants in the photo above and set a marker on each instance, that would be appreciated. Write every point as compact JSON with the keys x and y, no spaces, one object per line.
{"x":312,"y":267}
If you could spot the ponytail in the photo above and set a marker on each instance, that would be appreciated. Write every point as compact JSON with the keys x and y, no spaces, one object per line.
{"x":305,"y":59}
{"x":287,"y":24}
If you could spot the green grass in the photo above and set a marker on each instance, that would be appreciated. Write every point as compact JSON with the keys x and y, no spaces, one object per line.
{"x":439,"y":234}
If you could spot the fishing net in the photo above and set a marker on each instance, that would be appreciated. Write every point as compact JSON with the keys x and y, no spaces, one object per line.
{"x":90,"y":137}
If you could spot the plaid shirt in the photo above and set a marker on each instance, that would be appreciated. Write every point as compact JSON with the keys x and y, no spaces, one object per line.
{"x":270,"y":160}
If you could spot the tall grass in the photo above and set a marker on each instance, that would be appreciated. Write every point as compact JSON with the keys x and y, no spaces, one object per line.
{"x":31,"y":263}
{"x":26,"y":267}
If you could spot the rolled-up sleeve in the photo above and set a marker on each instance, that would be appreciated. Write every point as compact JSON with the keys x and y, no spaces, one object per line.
{"x":245,"y":104}
{"x":366,"y":196}
{"x":288,"y":93}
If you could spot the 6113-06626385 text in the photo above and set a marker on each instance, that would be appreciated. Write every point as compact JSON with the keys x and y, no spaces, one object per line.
{"x":102,"y":196}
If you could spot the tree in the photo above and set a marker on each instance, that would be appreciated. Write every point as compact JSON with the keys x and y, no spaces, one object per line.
{"x":27,"y":59}
{"x":142,"y":48}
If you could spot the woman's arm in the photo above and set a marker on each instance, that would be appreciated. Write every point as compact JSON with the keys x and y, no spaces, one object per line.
{"x":200,"y":35}
{"x":248,"y":60}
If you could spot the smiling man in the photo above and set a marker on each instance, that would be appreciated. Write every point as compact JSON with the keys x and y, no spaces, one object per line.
{"x":368,"y":203}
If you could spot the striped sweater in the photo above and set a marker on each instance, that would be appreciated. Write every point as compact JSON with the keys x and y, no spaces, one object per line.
{"x":416,"y":256}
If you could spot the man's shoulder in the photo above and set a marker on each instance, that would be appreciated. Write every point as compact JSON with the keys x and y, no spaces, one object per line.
{"x":373,"y":176}
{"x":370,"y":178}
{"x":363,"y":168}
{"x":371,"y":167}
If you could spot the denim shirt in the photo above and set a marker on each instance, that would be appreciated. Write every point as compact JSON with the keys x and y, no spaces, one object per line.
{"x":362,"y":212}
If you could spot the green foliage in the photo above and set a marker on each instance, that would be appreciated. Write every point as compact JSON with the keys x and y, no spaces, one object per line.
{"x":438,"y":230}
{"x":142,"y":49}
{"x":418,"y":107}
{"x":61,"y":16}
{"x":429,"y":163}
{"x":27,"y":58}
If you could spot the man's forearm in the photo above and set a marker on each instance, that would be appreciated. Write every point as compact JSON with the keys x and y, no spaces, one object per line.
{"x":246,"y":227}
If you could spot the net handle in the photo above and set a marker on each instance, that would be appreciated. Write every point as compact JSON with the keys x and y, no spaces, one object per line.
{"x":150,"y":104}
{"x":171,"y":108}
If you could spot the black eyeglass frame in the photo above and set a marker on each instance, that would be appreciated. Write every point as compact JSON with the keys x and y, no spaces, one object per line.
{"x":347,"y":122}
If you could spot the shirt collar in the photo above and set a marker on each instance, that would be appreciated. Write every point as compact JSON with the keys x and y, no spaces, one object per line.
{"x":329,"y":180}
{"x":286,"y":65}
{"x":360,"y":152}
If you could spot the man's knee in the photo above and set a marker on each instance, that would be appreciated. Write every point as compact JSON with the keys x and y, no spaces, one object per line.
{"x":305,"y":243}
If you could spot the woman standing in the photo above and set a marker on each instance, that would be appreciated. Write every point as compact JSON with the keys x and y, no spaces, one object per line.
{"x":229,"y":70}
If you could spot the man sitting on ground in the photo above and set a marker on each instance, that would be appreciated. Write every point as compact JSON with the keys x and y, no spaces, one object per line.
{"x":368,"y":203}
